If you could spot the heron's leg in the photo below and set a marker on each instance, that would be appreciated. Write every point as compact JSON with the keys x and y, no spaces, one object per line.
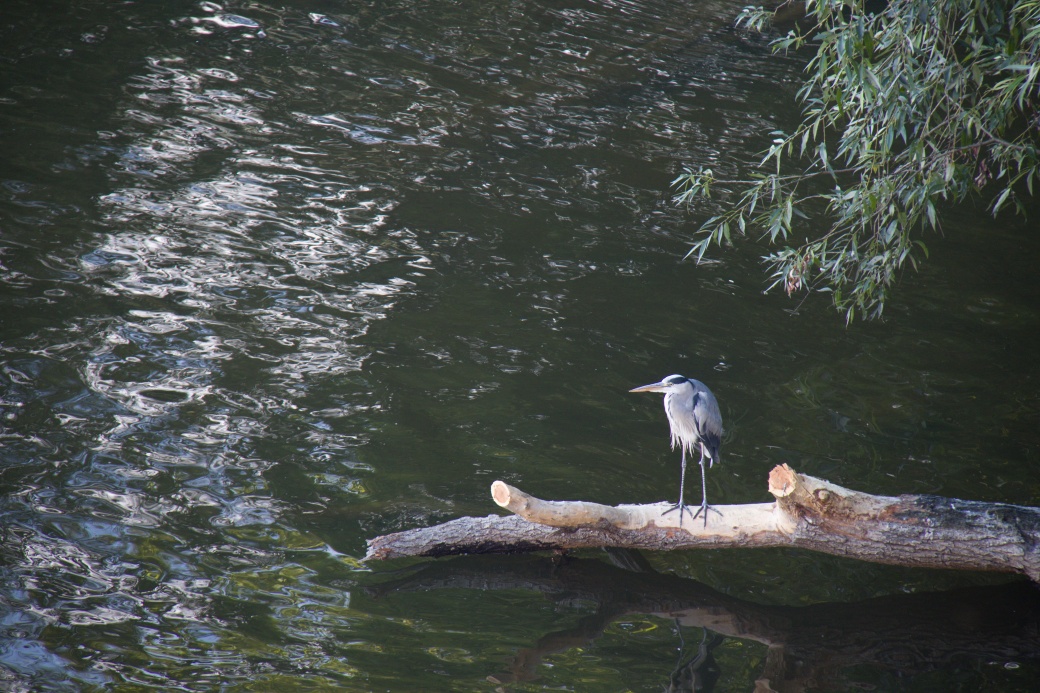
{"x":704,"y":494}
{"x":681,"y":505}
{"x":682,"y":485}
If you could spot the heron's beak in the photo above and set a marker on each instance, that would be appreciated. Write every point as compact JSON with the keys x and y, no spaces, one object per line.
{"x":654,"y":387}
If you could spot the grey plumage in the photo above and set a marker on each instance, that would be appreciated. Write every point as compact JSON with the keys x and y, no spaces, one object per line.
{"x":694,"y":422}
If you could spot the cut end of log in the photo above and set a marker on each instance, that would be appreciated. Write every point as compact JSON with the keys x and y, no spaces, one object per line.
{"x":782,"y":481}
{"x":500,"y":493}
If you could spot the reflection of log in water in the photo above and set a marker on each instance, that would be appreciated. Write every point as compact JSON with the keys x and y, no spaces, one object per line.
{"x":809,"y":646}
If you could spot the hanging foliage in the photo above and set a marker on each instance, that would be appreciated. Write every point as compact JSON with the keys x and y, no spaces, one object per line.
{"x":918,"y":104}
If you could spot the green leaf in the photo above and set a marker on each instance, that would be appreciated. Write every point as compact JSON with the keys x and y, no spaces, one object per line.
{"x":1001,"y":199}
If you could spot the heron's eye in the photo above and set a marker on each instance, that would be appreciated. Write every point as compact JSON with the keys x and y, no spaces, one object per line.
{"x":675,"y":380}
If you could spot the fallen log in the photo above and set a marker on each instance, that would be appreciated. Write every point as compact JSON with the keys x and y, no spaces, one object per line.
{"x":918,"y":531}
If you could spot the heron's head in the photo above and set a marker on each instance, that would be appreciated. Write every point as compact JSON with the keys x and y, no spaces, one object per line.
{"x":672,"y":383}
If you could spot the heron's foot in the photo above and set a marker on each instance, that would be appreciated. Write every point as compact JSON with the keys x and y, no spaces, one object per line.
{"x":682,"y":508}
{"x":704,"y":509}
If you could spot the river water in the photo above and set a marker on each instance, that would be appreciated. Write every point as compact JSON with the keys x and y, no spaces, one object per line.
{"x":278,"y":278}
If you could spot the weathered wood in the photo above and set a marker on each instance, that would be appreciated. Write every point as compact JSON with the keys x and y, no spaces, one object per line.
{"x":639,"y":518}
{"x":495,"y":534}
{"x":918,"y":531}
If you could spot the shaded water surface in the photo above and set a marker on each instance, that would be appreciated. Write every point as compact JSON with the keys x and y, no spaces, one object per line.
{"x":276,"y":278}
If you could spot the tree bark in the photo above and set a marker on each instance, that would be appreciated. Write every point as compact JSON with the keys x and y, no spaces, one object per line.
{"x":917,"y":531}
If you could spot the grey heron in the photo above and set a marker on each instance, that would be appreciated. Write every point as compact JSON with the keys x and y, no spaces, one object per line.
{"x":694,"y":422}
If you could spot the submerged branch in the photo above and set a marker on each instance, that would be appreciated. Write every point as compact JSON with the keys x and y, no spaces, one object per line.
{"x":808,"y":646}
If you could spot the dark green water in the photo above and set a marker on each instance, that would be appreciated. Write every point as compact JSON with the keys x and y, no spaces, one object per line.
{"x":277,"y":278}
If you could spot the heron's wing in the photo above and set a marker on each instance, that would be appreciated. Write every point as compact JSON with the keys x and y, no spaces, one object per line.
{"x":709,"y":423}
